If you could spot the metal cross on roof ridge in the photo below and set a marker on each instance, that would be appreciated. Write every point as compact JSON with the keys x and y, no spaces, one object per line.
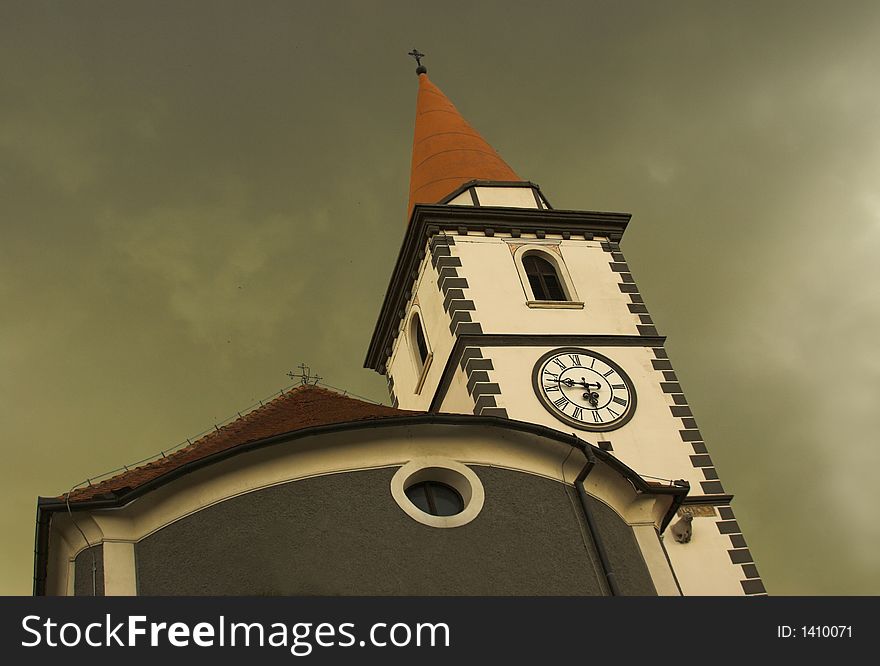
{"x":418,"y":56}
{"x":305,"y":375}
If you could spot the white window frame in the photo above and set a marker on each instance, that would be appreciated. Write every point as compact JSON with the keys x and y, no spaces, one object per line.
{"x":416,"y":319}
{"x":551,"y":253}
{"x":441,"y":470}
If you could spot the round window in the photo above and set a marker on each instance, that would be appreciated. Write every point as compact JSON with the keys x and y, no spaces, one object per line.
{"x":438,"y":492}
{"x":435,"y":498}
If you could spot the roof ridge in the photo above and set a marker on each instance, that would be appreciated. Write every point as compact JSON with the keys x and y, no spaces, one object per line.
{"x":298,"y":408}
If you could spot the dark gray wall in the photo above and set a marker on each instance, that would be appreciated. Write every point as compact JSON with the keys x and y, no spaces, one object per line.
{"x":344,"y":534}
{"x":627,"y":562}
{"x":82,"y":572}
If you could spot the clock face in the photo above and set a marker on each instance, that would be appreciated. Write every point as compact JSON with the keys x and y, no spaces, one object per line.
{"x":584,"y":389}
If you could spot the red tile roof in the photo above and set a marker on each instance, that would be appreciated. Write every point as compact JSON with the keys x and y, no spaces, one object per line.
{"x":302,"y":407}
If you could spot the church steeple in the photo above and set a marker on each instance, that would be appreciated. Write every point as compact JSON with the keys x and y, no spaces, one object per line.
{"x":447,"y":151}
{"x":502,"y":307}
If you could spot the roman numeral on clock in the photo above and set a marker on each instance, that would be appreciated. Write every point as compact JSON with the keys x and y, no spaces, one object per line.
{"x":561,"y":402}
{"x":559,"y":363}
{"x":577,"y":413}
{"x":575,"y":359}
{"x":620,"y":401}
{"x":597,"y":417}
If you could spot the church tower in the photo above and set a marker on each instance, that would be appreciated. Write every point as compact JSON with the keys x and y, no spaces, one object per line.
{"x":503,"y":307}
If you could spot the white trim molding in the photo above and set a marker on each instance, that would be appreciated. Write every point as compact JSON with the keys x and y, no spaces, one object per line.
{"x":442,"y":470}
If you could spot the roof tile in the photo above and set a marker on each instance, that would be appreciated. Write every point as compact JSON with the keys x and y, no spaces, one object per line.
{"x":303,"y":407}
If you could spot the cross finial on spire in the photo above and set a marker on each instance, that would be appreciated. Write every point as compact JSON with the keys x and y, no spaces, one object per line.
{"x":421,"y":69}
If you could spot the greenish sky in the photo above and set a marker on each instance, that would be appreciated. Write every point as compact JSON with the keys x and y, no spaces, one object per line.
{"x":197,"y":196}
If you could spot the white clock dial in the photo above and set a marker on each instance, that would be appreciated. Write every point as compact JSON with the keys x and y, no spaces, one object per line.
{"x":584,"y":389}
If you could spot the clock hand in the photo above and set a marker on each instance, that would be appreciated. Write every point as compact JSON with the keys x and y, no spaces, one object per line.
{"x":588,"y":385}
{"x":590,"y":396}
{"x":568,"y":381}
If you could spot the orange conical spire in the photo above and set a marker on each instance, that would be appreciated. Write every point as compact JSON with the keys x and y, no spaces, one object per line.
{"x":447,"y":151}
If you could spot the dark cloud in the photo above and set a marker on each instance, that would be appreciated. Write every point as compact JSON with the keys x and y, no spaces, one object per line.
{"x":195,"y":197}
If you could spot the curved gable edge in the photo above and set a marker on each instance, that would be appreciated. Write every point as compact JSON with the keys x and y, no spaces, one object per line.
{"x":597,"y":464}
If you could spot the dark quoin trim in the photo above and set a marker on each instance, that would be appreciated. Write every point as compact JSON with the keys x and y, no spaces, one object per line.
{"x":751,"y":581}
{"x":739,"y":541}
{"x":461,"y":311}
{"x":46,"y":506}
{"x":713,"y":490}
{"x":429,"y":221}
{"x":689,"y":433}
{"x":627,"y":285}
{"x":740,"y":556}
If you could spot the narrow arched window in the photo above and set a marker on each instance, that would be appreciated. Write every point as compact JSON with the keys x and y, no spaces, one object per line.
{"x":419,"y":348}
{"x":421,"y":344}
{"x":543,"y":279}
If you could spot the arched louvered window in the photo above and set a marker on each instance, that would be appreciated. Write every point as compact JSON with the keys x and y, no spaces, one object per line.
{"x":543,"y":278}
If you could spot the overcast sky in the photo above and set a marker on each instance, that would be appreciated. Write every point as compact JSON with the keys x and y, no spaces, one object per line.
{"x":197,"y":196}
